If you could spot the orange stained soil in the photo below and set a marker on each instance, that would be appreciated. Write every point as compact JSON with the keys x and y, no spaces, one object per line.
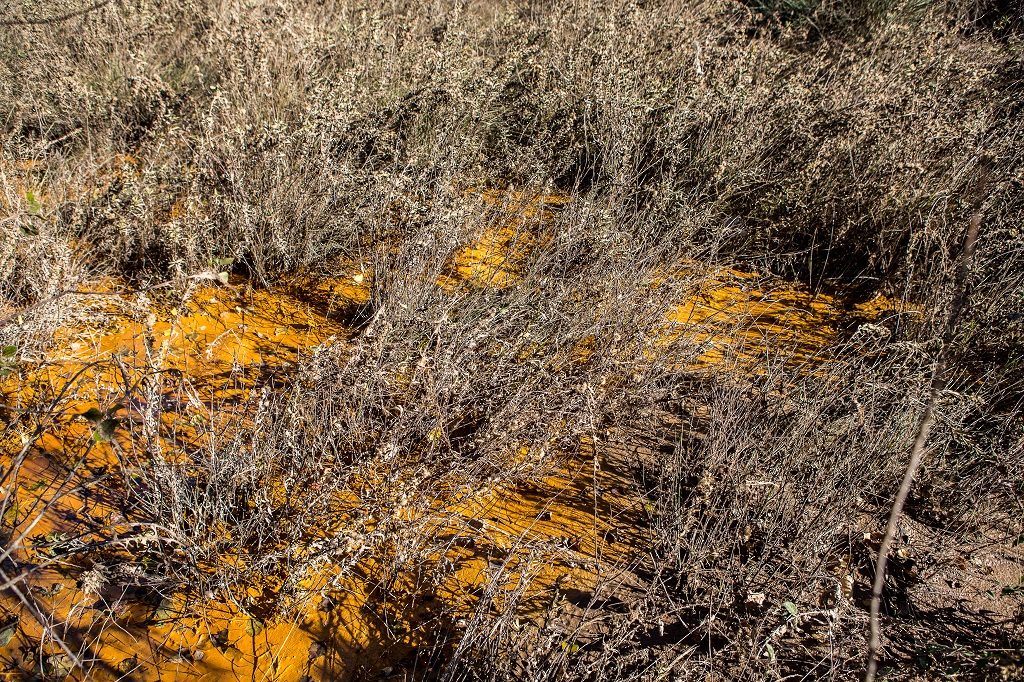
{"x":500,"y":545}
{"x":222,"y":340}
{"x":740,"y":318}
{"x":496,"y":258}
{"x":497,"y":544}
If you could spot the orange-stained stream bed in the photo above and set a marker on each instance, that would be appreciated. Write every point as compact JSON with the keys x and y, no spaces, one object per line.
{"x":525,"y":543}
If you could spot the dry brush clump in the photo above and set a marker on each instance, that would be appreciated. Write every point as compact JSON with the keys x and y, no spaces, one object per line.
{"x":767,"y":500}
{"x":437,"y":390}
{"x":266,"y":133}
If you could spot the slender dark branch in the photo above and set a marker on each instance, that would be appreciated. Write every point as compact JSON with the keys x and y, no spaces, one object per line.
{"x":55,"y":19}
{"x":40,"y":617}
{"x":917,"y":453}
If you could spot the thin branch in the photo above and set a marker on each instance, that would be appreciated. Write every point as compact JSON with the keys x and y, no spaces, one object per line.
{"x":38,"y":21}
{"x":40,"y":617}
{"x":917,"y":452}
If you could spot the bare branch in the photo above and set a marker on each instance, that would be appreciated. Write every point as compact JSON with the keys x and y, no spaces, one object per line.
{"x":39,"y":21}
{"x":917,"y":453}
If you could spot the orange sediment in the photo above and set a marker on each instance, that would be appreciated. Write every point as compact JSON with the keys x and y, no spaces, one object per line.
{"x":497,"y":257}
{"x":738,"y":318}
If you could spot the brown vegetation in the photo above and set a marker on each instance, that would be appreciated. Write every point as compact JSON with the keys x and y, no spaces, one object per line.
{"x":508,"y":340}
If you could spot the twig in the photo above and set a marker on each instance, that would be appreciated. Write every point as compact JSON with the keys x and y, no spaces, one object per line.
{"x":917,"y":452}
{"x":40,"y":617}
{"x":57,"y":18}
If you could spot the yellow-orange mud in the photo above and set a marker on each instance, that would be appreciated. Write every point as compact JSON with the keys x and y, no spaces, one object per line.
{"x":749,"y":321}
{"x":221,"y":339}
{"x":496,"y":258}
{"x":528,"y":543}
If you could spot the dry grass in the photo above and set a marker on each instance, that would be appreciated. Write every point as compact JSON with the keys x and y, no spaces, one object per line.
{"x":160,"y":143}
